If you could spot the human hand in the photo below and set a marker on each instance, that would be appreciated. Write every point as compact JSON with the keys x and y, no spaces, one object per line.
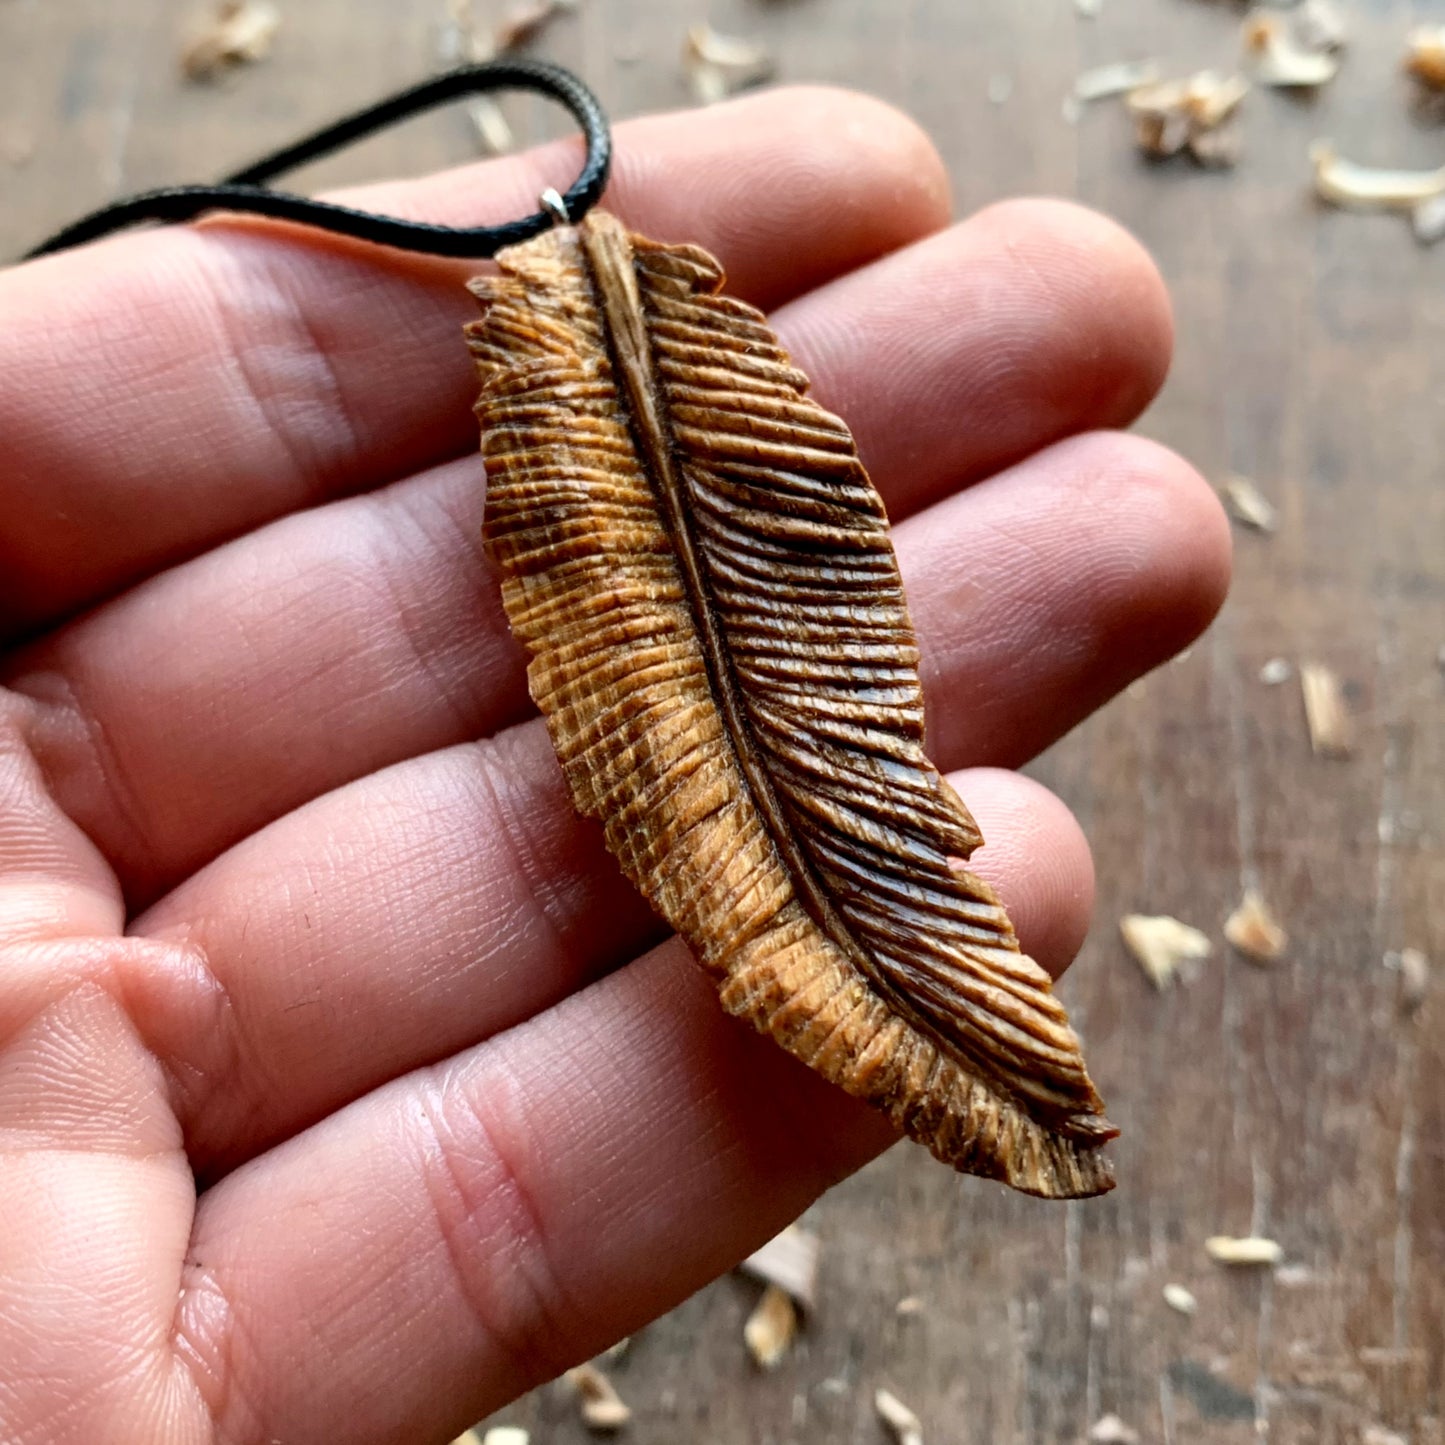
{"x":274,"y":926}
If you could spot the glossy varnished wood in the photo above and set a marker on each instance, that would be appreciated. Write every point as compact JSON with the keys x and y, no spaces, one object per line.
{"x":1296,"y":1101}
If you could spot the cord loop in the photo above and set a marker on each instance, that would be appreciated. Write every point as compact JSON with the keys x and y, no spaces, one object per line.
{"x":246,"y":190}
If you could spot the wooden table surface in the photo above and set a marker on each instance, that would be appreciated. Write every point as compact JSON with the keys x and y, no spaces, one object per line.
{"x":1297,"y":1101}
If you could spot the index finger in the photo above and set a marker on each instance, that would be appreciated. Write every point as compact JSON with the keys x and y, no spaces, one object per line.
{"x":182,"y":386}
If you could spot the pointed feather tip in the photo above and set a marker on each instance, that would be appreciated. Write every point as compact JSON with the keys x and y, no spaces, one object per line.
{"x":1061,"y":1161}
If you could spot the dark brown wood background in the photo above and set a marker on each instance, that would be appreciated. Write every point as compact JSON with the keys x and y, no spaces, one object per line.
{"x":1297,"y":1102}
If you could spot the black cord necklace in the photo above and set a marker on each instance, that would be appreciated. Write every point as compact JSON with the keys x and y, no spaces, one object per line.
{"x":246,"y":190}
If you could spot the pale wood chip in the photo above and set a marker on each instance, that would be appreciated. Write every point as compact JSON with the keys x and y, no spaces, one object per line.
{"x":790,"y":1261}
{"x":1371,"y":188}
{"x":1117,"y":78}
{"x":1425,"y":56}
{"x":1378,"y":1435}
{"x":1186,"y":113}
{"x":1281,"y":57}
{"x":493,"y":131}
{"x":236,"y":33}
{"x":1111,"y":1430}
{"x":1252,"y":930}
{"x":902,"y":1423}
{"x":602,"y":1407}
{"x":1250,"y":1250}
{"x":1427,"y":220}
{"x":1165,"y":948}
{"x":717,"y":65}
{"x":910,"y":1304}
{"x":1161,"y":136}
{"x":1219,"y":148}
{"x":506,"y":1435}
{"x":1089,"y":9}
{"x":1414,"y":969}
{"x":771,"y":1328}
{"x":470,"y":1437}
{"x":525,"y":22}
{"x":1332,"y":729}
{"x":1319,"y":25}
{"x":1210,"y":99}
{"x":1248,"y":504}
{"x":1180,"y":1299}
{"x":1276,"y":671}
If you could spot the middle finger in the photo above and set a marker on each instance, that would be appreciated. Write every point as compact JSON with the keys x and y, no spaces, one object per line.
{"x":230,"y":690}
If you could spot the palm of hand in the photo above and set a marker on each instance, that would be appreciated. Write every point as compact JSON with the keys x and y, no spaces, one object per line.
{"x":274,"y":926}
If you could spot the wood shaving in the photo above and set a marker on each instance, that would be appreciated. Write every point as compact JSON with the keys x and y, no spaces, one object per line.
{"x":1161,"y":136}
{"x":790,"y":1261}
{"x":506,"y":1435}
{"x":462,"y":41}
{"x":602,"y":1406}
{"x":238,"y":32}
{"x":1319,"y":25}
{"x":911,"y":1304}
{"x":1281,"y":56}
{"x":1247,"y":504}
{"x":1425,"y":56}
{"x":525,"y":22}
{"x":1276,"y":671}
{"x":1178,"y":1298}
{"x":1367,"y":188}
{"x":493,"y":130}
{"x":718,"y":65}
{"x":771,"y":1328}
{"x":1165,"y":948}
{"x":1118,"y":78}
{"x":1428,"y":220}
{"x":1249,"y":1250}
{"x":1187,"y":114}
{"x":905,"y":1427}
{"x":1252,"y":930}
{"x":1217,"y":148}
{"x":470,"y":1437}
{"x":1378,"y":1435}
{"x":1414,"y":969}
{"x":1332,"y":730}
{"x":1111,"y":1430}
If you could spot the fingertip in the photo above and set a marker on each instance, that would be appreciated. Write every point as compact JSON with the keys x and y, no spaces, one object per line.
{"x":1104,"y":296}
{"x":1036,"y":858}
{"x":1174,"y":546}
{"x":842,"y":177}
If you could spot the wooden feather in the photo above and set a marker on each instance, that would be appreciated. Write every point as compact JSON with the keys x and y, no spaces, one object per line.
{"x":701,"y":571}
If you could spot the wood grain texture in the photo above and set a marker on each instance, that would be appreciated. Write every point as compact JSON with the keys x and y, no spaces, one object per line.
{"x":1297,"y":1101}
{"x":702,"y":573}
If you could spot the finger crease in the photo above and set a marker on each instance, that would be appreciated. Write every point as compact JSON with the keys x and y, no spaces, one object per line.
{"x":516,"y":845}
{"x":471,"y":1211}
{"x":302,"y":342}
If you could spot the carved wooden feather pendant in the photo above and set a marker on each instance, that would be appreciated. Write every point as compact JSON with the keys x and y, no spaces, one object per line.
{"x":701,"y":571}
